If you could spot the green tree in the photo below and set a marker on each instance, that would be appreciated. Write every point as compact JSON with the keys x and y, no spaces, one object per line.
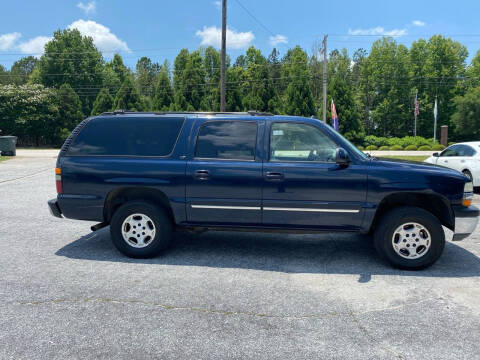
{"x":128,"y":98}
{"x":466,"y":117}
{"x":4,"y":76}
{"x":340,"y":90}
{"x":103,"y":102}
{"x":22,"y":69}
{"x":257,"y":93}
{"x":31,"y":113}
{"x":211,"y":65}
{"x":116,"y":64}
{"x":298,"y":99}
{"x":438,"y":70}
{"x":73,"y":59}
{"x":146,"y":72}
{"x":179,"y":66}
{"x":163,"y":92}
{"x":69,"y":110}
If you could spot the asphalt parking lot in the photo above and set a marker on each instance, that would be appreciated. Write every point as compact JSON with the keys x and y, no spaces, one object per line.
{"x":68,"y":293}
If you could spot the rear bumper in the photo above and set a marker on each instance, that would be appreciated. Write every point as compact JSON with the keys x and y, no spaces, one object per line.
{"x":54,"y":209}
{"x":466,"y":220}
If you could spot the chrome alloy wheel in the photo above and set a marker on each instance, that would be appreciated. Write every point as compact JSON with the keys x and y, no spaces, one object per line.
{"x":138,"y":230}
{"x":411,"y":240}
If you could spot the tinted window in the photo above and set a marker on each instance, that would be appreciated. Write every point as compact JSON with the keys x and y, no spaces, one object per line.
{"x":142,"y":136}
{"x":466,"y":150}
{"x":451,"y":151}
{"x":227,"y":140}
{"x":300,"y":142}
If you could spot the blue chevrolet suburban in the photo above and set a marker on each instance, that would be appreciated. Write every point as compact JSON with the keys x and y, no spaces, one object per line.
{"x":150,"y":174}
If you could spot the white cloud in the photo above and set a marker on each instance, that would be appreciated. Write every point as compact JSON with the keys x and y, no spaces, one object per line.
{"x":34,"y":46}
{"x":418,"y":23}
{"x":103,"y":38}
{"x":218,"y":4}
{"x":7,"y":41}
{"x":88,"y":8}
{"x":278,"y":39}
{"x":378,"y":31}
{"x":235,"y":40}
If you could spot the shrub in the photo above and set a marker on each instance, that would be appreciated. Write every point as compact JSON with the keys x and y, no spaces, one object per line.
{"x":411,"y":147}
{"x":383,"y":148}
{"x":438,"y":147}
{"x":371,"y":147}
{"x":424,"y":148}
{"x":376,"y":141}
{"x":396,"y":147}
{"x":360,"y":147}
{"x":451,"y":143}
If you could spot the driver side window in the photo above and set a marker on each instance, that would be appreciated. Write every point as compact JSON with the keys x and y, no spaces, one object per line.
{"x":300,"y":142}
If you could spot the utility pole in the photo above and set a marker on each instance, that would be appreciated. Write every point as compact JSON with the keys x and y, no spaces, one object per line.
{"x":223,"y":55}
{"x":324,"y":112}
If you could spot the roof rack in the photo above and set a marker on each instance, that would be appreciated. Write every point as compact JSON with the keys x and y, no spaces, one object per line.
{"x":250,"y":112}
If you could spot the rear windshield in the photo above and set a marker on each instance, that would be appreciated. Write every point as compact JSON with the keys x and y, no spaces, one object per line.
{"x":117,"y":136}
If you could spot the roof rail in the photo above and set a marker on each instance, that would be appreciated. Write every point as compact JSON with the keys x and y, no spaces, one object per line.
{"x":250,"y":112}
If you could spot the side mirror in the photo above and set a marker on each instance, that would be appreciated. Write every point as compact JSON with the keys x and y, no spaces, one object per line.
{"x":341,"y":157}
{"x":435,"y":154}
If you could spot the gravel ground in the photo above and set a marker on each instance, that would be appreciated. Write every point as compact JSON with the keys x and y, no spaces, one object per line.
{"x":67,"y":293}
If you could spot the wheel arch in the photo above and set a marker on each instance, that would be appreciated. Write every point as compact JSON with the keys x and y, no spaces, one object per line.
{"x":435,"y":204}
{"x":122,"y":195}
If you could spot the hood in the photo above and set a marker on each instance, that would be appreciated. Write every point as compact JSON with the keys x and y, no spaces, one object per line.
{"x":416,"y":166}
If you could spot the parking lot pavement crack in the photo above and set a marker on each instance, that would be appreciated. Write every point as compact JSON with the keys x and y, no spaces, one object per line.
{"x":372,"y":339}
{"x":186,"y":308}
{"x":25,"y":176}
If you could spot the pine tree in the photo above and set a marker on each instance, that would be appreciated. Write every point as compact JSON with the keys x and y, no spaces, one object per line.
{"x":299,"y":99}
{"x":69,"y":109}
{"x":163,"y":94}
{"x":103,"y":102}
{"x":128,"y":98}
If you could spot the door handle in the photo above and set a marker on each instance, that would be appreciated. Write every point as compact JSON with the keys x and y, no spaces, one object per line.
{"x":274,"y":176}
{"x":202,"y":175}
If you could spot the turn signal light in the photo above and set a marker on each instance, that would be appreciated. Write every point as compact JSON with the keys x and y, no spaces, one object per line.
{"x":466,"y":202}
{"x":58,"y":180}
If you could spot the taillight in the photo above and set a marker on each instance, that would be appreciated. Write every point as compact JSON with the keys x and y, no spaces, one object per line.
{"x":58,"y":180}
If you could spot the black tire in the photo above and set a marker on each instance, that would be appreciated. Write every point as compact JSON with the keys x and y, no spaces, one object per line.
{"x":395,"y":218}
{"x":162,"y":225}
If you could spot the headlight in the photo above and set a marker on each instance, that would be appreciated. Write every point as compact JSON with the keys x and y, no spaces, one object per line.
{"x":467,"y":194}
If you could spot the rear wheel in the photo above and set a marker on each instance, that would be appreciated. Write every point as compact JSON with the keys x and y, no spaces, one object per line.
{"x":409,"y":238}
{"x":140,"y":229}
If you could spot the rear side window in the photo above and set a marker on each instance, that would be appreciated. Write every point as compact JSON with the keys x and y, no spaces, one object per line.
{"x":128,"y":136}
{"x":233,"y":140}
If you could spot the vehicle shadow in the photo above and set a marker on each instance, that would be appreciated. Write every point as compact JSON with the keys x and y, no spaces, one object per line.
{"x":320,"y":253}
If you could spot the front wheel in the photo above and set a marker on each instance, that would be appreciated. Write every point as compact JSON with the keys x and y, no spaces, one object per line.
{"x":409,"y":238}
{"x":140,"y":229}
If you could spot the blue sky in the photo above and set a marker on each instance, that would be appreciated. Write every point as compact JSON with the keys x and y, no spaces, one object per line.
{"x":159,"y":29}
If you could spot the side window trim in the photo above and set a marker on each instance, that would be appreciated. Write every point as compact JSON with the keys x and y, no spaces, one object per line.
{"x":194,"y":157}
{"x":296,"y":161}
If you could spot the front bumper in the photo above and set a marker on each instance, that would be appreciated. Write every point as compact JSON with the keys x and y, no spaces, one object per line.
{"x":54,"y":209}
{"x":466,"y":220}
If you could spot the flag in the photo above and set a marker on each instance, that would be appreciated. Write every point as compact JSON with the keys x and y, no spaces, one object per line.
{"x":334,"y":116}
{"x":417,"y":110}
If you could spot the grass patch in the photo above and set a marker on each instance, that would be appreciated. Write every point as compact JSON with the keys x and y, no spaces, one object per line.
{"x":3,"y":158}
{"x":418,"y":158}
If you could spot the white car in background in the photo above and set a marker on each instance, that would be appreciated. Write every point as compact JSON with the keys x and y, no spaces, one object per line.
{"x":464,"y":157}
